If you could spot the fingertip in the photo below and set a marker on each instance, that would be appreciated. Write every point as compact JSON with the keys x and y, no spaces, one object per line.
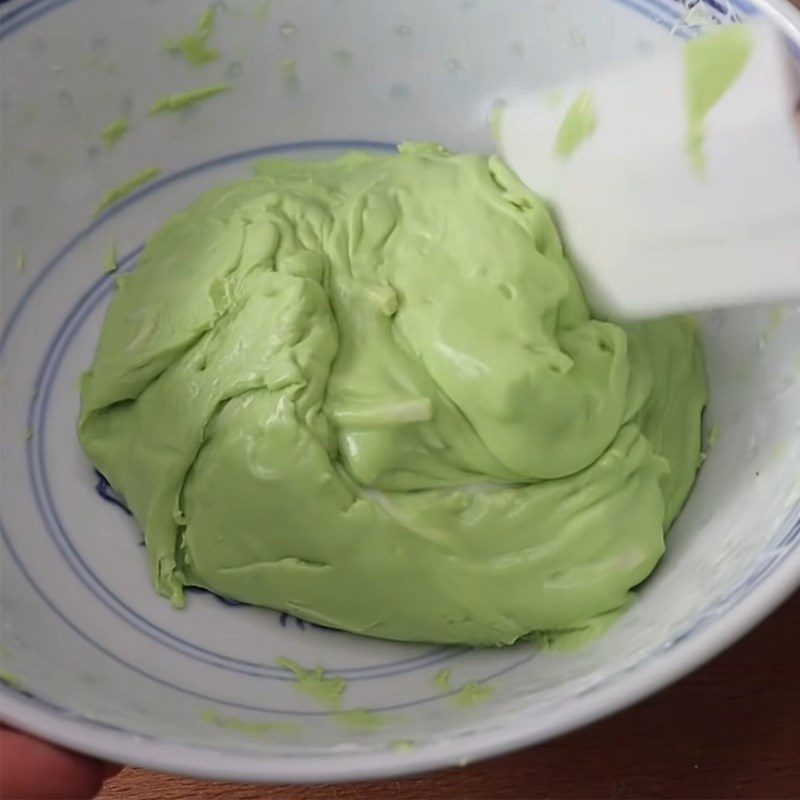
{"x":31,"y":768}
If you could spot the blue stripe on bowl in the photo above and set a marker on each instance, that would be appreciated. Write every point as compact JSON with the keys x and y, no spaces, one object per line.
{"x":663,"y":12}
{"x":207,"y":698}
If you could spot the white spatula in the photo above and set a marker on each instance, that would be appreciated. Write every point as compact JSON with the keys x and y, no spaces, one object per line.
{"x":654,"y":225}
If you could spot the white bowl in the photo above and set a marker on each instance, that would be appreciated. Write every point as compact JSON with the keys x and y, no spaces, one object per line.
{"x":106,"y":666}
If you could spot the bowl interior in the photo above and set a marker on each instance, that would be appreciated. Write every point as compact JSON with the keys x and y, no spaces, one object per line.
{"x":90,"y":655}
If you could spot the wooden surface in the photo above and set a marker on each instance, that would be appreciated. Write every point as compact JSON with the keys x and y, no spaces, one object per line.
{"x":731,"y":730}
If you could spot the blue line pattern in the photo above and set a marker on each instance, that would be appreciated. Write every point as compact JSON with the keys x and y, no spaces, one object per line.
{"x":663,"y":12}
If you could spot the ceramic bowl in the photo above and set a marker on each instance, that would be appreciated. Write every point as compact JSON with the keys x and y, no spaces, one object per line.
{"x":91,"y":657}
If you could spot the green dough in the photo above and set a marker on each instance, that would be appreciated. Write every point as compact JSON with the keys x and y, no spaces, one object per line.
{"x":370,"y":393}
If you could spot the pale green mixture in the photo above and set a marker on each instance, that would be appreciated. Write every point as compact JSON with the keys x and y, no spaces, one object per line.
{"x":369,"y":392}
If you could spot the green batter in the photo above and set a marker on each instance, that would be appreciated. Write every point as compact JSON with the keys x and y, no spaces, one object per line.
{"x":369,"y":392}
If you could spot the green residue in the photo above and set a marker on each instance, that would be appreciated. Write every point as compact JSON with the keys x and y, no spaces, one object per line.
{"x":442,"y":680}
{"x":110,"y":264}
{"x":777,"y":452}
{"x":28,"y":113}
{"x":579,"y":123}
{"x":496,"y":120}
{"x":126,"y":188}
{"x":249,"y":728}
{"x":112,"y":133}
{"x":712,"y":64}
{"x":21,"y":263}
{"x":106,"y":66}
{"x":174,"y":102}
{"x":343,"y":57}
{"x":28,"y":434}
{"x":312,"y":682}
{"x":472,"y":694}
{"x":290,"y":75}
{"x":554,"y":98}
{"x":566,"y":641}
{"x":773,"y":324}
{"x":194,"y":46}
{"x":263,"y":10}
{"x":713,"y":436}
{"x":233,"y":69}
{"x":403,"y":745}
{"x":360,"y":719}
{"x":12,"y":680}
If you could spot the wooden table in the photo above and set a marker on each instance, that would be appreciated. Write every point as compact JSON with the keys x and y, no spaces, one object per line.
{"x":730,"y":730}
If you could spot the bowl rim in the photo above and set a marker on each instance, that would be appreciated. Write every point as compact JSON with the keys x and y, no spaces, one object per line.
{"x":644,"y":679}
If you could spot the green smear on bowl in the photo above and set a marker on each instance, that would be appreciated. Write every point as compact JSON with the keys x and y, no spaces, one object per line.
{"x":112,"y":133}
{"x":360,"y":719}
{"x":12,"y":680}
{"x":175,"y":102}
{"x":250,"y":728}
{"x":312,"y":682}
{"x":263,"y":10}
{"x":290,"y":76}
{"x":126,"y":188}
{"x":472,"y":694}
{"x":569,"y":640}
{"x":110,"y":263}
{"x":194,"y":46}
{"x":344,"y":58}
{"x":442,"y":680}
{"x":496,"y":120}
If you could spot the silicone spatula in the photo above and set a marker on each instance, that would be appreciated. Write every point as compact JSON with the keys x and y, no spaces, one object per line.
{"x":676,"y":178}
